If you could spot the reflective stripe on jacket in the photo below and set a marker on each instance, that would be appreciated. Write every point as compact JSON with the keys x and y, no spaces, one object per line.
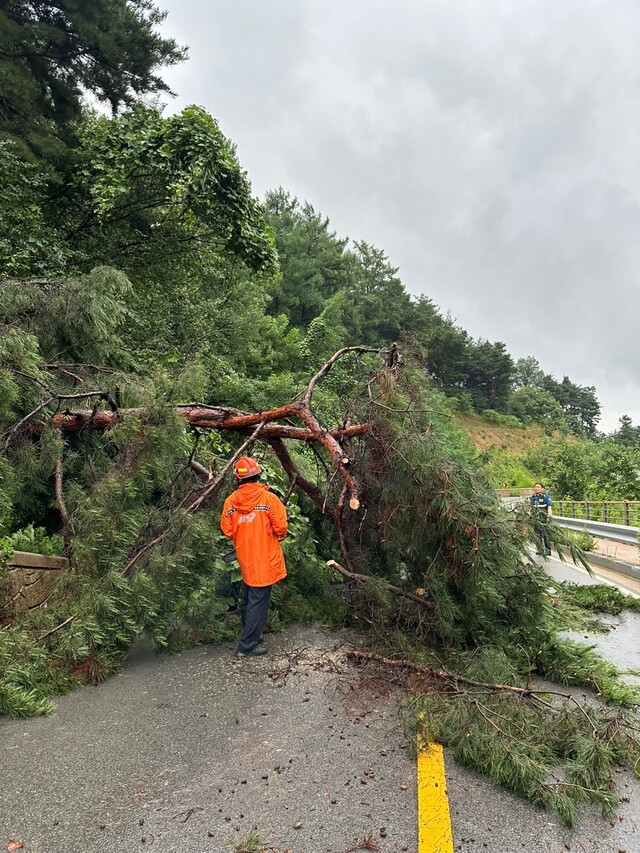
{"x":256,"y":519}
{"x":541,"y":503}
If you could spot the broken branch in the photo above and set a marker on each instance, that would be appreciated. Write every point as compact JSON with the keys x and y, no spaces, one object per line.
{"x":394,"y":590}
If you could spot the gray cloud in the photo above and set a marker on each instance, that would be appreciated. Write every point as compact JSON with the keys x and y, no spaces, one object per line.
{"x":490,"y":148}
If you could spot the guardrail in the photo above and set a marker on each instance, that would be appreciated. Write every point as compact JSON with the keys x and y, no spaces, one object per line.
{"x":604,"y":529}
{"x":617,"y":532}
{"x":613,"y":512}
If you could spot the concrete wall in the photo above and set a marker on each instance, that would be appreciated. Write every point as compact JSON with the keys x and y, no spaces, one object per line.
{"x":29,"y":582}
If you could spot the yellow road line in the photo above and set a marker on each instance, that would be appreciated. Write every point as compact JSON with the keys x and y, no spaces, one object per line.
{"x":434,"y":821}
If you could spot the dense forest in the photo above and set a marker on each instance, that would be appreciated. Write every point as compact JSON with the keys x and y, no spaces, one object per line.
{"x":140,"y":283}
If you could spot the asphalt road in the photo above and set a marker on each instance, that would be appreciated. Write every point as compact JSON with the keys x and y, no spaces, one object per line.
{"x":194,"y":752}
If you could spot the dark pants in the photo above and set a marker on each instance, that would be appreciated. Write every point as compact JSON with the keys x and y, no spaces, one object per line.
{"x":253,"y":612}
{"x":541,"y":533}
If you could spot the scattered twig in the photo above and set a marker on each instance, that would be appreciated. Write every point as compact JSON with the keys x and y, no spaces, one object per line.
{"x":367,"y":843}
{"x":187,"y":813}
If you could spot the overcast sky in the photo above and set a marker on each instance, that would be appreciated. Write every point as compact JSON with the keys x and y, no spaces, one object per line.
{"x":490,"y":147}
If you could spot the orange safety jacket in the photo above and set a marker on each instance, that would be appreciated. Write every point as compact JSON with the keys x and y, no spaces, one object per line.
{"x":256,"y":520}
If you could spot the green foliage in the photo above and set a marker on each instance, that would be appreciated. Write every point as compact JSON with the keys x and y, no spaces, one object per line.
{"x":509,"y":421}
{"x":580,"y":405}
{"x":582,"y":469}
{"x":89,"y":312}
{"x":598,"y":598}
{"x":19,"y":359}
{"x":628,"y":434}
{"x":557,"y":756}
{"x":528,"y":373}
{"x":160,"y":186}
{"x":314,"y":262}
{"x":489,"y":375}
{"x":569,"y":465}
{"x":251,"y":843}
{"x":535,"y":405}
{"x":138,"y":265}
{"x":33,"y":539}
{"x":582,"y":539}
{"x":381,"y":307}
{"x":134,"y":490}
{"x":447,"y":356}
{"x":540,"y":398}
{"x":29,"y":676}
{"x":500,"y":466}
{"x":569,"y":662}
{"x":29,"y":245}
{"x":439,"y":528}
{"x":52,"y":55}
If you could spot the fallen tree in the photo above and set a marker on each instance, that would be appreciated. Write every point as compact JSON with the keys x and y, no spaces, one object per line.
{"x":430,"y":565}
{"x":260,"y":425}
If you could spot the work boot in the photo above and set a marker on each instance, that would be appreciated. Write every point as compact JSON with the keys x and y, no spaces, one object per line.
{"x":256,"y":651}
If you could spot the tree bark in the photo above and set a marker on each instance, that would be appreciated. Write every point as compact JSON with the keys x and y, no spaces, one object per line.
{"x":71,"y":422}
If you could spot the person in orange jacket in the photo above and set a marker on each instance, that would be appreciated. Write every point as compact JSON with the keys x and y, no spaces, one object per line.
{"x":256,"y":519}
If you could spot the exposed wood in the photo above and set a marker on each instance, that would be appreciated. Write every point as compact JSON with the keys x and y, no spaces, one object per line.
{"x":219,"y":417}
{"x":257,"y":424}
{"x":62,"y":509}
{"x":335,"y":452}
{"x":301,"y":434}
{"x":200,"y":470}
{"x":70,"y":422}
{"x":75,"y":377}
{"x":342,"y":539}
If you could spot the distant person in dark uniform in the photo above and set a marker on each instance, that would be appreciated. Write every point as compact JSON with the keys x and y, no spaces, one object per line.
{"x":541,"y":505}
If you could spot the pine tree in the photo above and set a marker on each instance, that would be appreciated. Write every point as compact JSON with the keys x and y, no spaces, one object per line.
{"x":52,"y":54}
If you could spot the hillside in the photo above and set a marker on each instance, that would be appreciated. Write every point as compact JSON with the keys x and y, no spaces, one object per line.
{"x":507,"y":452}
{"x":487,"y":435}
